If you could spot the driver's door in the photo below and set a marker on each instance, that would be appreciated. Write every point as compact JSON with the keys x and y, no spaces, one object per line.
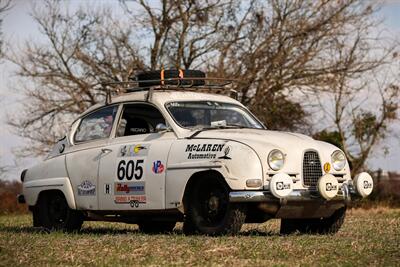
{"x":133,"y":165}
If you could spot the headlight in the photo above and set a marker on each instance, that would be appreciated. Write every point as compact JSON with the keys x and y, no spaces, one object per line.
{"x":276,"y":160}
{"x":338,"y":160}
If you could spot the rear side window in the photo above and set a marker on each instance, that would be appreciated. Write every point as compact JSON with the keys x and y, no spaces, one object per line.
{"x":96,"y":125}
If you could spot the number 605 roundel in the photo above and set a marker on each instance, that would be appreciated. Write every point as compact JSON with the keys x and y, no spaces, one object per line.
{"x":128,"y":169}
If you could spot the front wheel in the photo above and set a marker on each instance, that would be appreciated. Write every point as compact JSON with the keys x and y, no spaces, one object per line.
{"x":208,"y":210}
{"x":330,"y":225}
{"x":54,"y":213}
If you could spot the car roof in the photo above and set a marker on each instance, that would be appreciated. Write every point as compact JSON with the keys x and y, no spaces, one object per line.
{"x":160,"y":97}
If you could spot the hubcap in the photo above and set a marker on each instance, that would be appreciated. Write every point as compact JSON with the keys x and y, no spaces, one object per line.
{"x":213,"y":203}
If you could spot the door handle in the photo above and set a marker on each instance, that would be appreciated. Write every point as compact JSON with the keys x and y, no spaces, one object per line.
{"x":105,"y":150}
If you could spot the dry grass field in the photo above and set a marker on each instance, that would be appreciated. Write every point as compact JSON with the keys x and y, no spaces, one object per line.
{"x":368,"y":237}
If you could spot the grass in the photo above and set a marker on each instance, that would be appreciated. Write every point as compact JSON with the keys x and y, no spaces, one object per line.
{"x":368,"y":237}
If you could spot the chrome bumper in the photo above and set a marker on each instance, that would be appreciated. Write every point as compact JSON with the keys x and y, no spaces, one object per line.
{"x":345,"y":195}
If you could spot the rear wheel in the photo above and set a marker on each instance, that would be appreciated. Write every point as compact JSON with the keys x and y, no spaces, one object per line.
{"x":35,"y":216}
{"x":156,"y":227}
{"x":54,"y":213}
{"x":208,"y":210}
{"x":328,"y":225}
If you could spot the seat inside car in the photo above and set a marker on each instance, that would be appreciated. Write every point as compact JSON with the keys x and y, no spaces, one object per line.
{"x":136,"y":126}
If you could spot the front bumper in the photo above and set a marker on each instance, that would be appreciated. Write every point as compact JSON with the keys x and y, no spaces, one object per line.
{"x":328,"y":188}
{"x":298,"y":204}
{"x":345,"y":195}
{"x":282,"y":201}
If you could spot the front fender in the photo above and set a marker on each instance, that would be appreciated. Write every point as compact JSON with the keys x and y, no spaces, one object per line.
{"x":236,"y":162}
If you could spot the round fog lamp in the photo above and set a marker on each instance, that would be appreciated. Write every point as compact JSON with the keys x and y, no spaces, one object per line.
{"x":364,"y":184}
{"x":281,"y":185}
{"x":328,"y":186}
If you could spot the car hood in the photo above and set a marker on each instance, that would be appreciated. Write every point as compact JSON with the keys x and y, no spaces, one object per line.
{"x":262,"y":140}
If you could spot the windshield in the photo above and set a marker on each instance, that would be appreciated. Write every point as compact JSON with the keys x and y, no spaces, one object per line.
{"x":211,"y":114}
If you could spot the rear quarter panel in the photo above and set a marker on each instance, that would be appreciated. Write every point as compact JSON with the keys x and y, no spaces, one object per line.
{"x":51,"y":174}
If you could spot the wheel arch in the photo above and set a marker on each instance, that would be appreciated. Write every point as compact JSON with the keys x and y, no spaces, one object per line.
{"x":34,"y":188}
{"x":198,"y":175}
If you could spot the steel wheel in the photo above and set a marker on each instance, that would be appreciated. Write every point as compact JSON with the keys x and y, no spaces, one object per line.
{"x":209,"y":210}
{"x":54,"y":213}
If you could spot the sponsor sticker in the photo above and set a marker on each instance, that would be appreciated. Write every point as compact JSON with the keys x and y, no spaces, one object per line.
{"x":86,"y":188}
{"x":133,"y":201}
{"x":133,"y":150}
{"x":107,"y":189}
{"x":226,"y":153}
{"x":367,"y":185}
{"x":158,"y":167}
{"x":132,"y":188}
{"x":282,"y":186}
{"x":327,"y":167}
{"x":330,"y":187}
{"x":203,"y":151}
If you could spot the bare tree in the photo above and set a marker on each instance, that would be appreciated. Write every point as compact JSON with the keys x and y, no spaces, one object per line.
{"x":4,"y":6}
{"x":3,"y":169}
{"x":181,"y":31}
{"x":276,"y":47}
{"x":362,"y":112}
{"x":281,"y":50}
{"x":64,"y":77}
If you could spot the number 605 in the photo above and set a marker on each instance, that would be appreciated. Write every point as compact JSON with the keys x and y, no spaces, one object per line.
{"x":129,"y":169}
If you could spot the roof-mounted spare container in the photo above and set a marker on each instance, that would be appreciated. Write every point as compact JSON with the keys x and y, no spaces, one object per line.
{"x":171,"y":77}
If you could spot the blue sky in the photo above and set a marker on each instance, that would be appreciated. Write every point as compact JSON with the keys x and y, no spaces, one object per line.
{"x":19,"y":27}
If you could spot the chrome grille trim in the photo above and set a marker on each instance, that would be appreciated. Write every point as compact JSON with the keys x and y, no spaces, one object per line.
{"x":312,"y":170}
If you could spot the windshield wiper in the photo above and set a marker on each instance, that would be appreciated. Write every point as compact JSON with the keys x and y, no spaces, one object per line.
{"x":231,"y":126}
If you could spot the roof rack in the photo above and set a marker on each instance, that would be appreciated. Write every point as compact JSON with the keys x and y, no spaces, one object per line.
{"x":187,"y":83}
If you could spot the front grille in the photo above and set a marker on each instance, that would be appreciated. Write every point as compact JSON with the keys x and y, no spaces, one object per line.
{"x":312,"y":170}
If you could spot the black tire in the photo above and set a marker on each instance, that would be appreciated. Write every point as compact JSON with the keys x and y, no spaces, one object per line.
{"x":35,"y":217}
{"x":208,"y":210}
{"x":156,"y":227}
{"x":330,"y":225}
{"x":156,"y":75}
{"x":55,"y":214}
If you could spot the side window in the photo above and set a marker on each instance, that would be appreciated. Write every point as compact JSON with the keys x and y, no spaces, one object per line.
{"x":139,"y":119}
{"x":96,"y":125}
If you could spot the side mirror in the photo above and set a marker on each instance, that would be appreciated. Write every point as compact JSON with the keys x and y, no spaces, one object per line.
{"x":161,"y":127}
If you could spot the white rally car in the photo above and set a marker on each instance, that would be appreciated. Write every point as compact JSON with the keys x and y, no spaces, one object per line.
{"x":164,"y":153}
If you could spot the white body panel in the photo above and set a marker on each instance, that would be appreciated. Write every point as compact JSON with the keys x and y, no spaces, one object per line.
{"x":185,"y":160}
{"x":49,"y":175}
{"x":83,"y":166}
{"x":147,"y":189}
